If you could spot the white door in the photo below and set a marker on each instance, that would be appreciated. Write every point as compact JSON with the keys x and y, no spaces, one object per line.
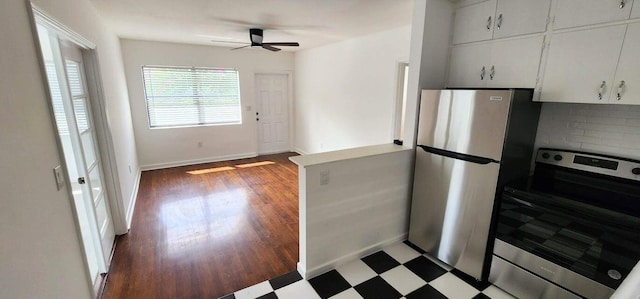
{"x":628,"y":70}
{"x":72,"y":112}
{"x":518,"y":17}
{"x":272,"y":115}
{"x":581,"y":65}
{"x":469,"y":65}
{"x":573,"y":13}
{"x":515,"y":62}
{"x":474,"y":22}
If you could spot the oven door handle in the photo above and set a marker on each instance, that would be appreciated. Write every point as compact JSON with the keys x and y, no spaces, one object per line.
{"x":520,"y":201}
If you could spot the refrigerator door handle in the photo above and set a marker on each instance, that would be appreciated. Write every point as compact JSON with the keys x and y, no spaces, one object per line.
{"x":459,"y":156}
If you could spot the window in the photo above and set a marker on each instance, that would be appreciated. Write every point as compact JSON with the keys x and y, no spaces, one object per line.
{"x":181,"y":96}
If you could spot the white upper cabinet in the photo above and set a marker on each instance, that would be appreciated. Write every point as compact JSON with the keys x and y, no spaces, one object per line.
{"x":505,"y":64}
{"x":581,"y":65}
{"x":573,"y":13}
{"x":518,"y":17}
{"x":474,"y":22}
{"x":468,"y":65}
{"x":635,"y":12}
{"x":515,"y":63}
{"x":626,"y":86}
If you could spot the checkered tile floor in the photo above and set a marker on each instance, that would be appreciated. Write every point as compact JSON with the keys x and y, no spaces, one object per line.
{"x":399,"y":271}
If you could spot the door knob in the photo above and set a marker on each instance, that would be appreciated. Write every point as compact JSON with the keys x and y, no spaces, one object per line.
{"x":81,"y":180}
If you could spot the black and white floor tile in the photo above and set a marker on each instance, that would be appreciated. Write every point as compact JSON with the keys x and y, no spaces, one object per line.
{"x":399,"y":271}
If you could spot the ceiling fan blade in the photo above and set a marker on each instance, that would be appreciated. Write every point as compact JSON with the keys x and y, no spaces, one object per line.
{"x":288,"y":44}
{"x":240,"y":47}
{"x":229,"y":42}
{"x":268,"y":47}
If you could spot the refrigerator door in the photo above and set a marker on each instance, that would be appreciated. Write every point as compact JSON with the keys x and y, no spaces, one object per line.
{"x":471,"y":122}
{"x":451,"y":209}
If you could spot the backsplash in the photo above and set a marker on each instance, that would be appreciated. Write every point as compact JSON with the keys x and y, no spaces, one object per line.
{"x":608,"y":129}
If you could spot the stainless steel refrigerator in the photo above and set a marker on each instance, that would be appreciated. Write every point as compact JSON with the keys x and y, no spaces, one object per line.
{"x":469,"y":144}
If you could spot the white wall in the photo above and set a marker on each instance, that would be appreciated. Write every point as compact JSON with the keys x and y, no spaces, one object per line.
{"x":346,"y":92}
{"x":81,"y":17}
{"x":179,"y":146}
{"x":608,"y":129}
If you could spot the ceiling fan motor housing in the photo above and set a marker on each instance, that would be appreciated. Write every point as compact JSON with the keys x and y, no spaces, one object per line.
{"x":255,"y":36}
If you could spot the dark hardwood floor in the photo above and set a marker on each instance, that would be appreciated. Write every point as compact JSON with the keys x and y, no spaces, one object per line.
{"x":207,"y":235}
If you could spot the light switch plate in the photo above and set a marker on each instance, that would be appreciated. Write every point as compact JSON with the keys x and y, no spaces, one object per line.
{"x":57,"y":172}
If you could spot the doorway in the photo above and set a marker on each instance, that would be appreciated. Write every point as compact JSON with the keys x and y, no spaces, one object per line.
{"x":272,"y":113}
{"x":66,"y":77}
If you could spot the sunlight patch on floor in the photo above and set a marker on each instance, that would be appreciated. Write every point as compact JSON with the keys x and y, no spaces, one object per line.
{"x":255,"y":164}
{"x":210,"y":170}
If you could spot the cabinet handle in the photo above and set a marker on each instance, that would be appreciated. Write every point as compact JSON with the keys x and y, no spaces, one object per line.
{"x":601,"y":89}
{"x":493,"y":72}
{"x":489,"y":23}
{"x":482,"y":73}
{"x":620,"y":90}
{"x":622,"y":4}
{"x":499,"y":24}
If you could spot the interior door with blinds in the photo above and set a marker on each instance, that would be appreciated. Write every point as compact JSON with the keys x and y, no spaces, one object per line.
{"x":72,"y":112}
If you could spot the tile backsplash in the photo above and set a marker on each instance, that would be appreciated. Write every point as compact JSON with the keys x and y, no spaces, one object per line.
{"x":608,"y":129}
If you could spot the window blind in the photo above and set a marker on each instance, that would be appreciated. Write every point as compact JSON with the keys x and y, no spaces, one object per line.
{"x":180,"y":96}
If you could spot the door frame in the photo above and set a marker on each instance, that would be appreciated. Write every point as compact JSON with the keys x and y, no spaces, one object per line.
{"x":98,"y":113}
{"x":290,"y":107}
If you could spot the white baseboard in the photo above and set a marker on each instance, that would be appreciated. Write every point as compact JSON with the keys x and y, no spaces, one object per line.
{"x":311,"y":273}
{"x":197,"y":161}
{"x":132,"y":200}
{"x":300,"y":151}
{"x":300,"y":268}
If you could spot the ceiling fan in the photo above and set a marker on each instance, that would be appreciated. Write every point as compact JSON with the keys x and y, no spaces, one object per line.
{"x":256,"y":36}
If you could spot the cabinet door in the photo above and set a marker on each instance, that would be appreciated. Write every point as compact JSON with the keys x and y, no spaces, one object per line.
{"x":515,"y":63}
{"x":635,"y":12}
{"x":579,"y":61}
{"x":628,"y":69}
{"x":467,"y":63}
{"x":474,"y":22}
{"x":572,"y":13}
{"x":518,"y":17}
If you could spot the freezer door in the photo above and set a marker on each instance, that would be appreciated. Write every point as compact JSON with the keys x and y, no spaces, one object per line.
{"x":470,"y":122}
{"x":451,"y":209}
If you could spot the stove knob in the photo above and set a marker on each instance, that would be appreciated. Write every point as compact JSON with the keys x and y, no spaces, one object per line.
{"x":636,"y":171}
{"x":557,"y":157}
{"x":545,"y":155}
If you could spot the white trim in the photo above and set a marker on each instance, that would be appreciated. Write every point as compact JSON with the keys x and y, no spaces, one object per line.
{"x":133,"y":199}
{"x":301,"y":269}
{"x":310,"y":273}
{"x":43,"y":18}
{"x":300,"y":151}
{"x":197,"y":161}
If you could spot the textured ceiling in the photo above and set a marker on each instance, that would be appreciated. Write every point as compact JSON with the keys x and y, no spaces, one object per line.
{"x":312,"y":23}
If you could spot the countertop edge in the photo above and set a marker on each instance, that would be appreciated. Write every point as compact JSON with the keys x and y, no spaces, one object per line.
{"x":351,"y":153}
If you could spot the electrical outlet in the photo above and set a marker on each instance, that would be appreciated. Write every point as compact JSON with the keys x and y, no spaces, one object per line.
{"x":324,"y":177}
{"x":57,"y":172}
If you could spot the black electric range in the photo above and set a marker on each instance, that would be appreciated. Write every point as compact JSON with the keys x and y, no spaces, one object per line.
{"x":574,"y":224}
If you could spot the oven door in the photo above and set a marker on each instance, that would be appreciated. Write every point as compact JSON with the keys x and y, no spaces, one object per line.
{"x":583,"y":248}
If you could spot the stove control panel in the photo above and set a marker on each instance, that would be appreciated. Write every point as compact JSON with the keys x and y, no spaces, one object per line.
{"x":592,"y":162}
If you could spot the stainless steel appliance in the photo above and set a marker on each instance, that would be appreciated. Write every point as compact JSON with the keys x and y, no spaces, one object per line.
{"x":572,"y":230}
{"x":469,"y":143}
